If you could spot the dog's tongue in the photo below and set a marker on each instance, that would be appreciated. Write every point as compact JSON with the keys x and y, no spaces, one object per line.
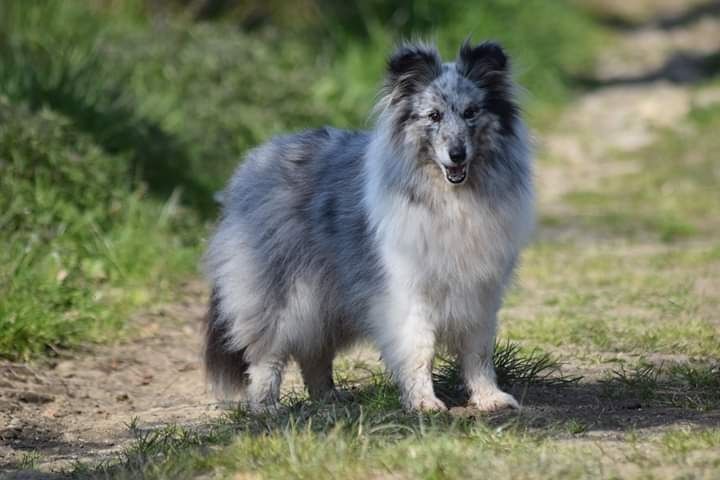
{"x":456,"y":171}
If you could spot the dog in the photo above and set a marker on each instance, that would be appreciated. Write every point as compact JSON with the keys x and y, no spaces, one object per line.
{"x":407,"y":235}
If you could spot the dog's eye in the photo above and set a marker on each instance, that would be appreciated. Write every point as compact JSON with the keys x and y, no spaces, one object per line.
{"x":470,"y":112}
{"x":435,"y":116}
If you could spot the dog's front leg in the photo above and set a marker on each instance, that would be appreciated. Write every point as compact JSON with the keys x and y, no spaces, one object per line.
{"x":408,"y":348}
{"x":476,"y":357}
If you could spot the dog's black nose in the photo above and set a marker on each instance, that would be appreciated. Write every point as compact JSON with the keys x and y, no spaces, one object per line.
{"x":457,"y":154}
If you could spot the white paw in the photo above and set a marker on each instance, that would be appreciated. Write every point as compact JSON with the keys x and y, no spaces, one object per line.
{"x":428,"y":403}
{"x":493,"y":401}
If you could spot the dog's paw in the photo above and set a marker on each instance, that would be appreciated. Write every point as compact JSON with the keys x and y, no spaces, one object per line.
{"x":426,"y":404}
{"x":493,"y":402}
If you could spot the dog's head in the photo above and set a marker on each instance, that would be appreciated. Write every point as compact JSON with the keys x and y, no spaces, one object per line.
{"x":449,"y":113}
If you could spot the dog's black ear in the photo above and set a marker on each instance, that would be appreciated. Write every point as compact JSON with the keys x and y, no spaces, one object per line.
{"x":412,"y":67}
{"x":482,"y":62}
{"x":488,"y":67}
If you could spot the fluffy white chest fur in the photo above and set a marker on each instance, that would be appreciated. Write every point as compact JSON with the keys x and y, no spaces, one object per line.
{"x":448,"y":257}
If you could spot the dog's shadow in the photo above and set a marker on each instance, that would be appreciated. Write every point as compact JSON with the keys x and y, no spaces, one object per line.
{"x":576,"y":407}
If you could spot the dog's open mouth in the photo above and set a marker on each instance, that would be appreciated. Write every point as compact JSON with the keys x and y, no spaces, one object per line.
{"x":456,"y":175}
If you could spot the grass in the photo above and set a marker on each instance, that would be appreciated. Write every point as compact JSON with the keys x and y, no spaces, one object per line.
{"x":82,"y":244}
{"x":369,"y":435}
{"x":672,"y":188}
{"x":681,"y":385}
{"x":372,"y":436}
{"x":630,"y":265}
{"x":616,"y":301}
{"x":334,"y":443}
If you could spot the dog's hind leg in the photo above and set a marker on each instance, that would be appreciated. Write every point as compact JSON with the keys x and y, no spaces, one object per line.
{"x":317,"y":374}
{"x":263,"y":391}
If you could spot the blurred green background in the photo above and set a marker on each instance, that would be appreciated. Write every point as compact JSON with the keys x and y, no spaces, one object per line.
{"x":120,"y":118}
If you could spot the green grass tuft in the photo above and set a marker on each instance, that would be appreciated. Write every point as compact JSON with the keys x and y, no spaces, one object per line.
{"x":513,"y":367}
{"x":680,"y":385}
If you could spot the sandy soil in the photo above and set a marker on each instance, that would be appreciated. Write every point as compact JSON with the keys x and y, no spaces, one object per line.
{"x":79,"y":407}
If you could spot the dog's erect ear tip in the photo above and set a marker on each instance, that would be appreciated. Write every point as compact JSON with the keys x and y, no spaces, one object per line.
{"x":412,"y":66}
{"x":408,"y":56}
{"x":490,"y":53}
{"x":466,"y":48}
{"x":496,"y":52}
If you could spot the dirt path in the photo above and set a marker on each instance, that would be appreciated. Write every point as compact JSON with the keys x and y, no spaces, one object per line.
{"x":79,"y":408}
{"x":643,"y":84}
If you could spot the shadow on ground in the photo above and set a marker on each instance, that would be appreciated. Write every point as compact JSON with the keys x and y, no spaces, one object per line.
{"x":601,"y":408}
{"x":596,"y":409}
{"x":681,"y":68}
{"x":38,"y":441}
{"x":596,"y":406}
{"x":663,"y":21}
{"x":684,"y":67}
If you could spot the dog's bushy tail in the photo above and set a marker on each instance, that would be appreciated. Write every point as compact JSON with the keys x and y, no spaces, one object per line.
{"x":225,"y":368}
